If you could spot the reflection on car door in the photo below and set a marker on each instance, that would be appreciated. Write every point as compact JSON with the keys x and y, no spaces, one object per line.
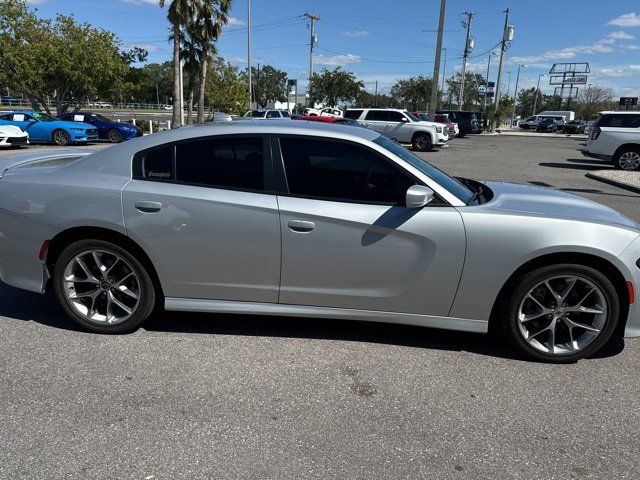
{"x":349,"y":242}
{"x":207,"y":218}
{"x":396,"y":127}
{"x":376,"y":120}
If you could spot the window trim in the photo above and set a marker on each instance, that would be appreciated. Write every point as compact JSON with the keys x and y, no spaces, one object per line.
{"x":283,"y":185}
{"x":137,"y":168}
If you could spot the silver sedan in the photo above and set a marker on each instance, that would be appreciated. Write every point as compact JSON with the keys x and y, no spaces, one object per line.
{"x":314,"y":220}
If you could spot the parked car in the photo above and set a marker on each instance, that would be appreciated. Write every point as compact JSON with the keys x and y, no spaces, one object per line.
{"x":444,"y":118}
{"x":615,"y":137}
{"x":114,"y":132}
{"x":323,"y":112}
{"x":401,"y":124}
{"x":547,"y":125}
{"x":45,"y":128}
{"x":467,"y":121}
{"x":336,"y":121}
{"x":99,"y":104}
{"x":575,"y":126}
{"x":12,"y":136}
{"x":267,"y":113}
{"x":220,"y":117}
{"x":387,"y":236}
{"x":450,"y":129}
{"x":533,"y":121}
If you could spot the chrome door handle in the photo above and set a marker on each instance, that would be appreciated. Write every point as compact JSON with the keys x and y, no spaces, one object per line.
{"x":148,"y":207}
{"x":301,"y":226}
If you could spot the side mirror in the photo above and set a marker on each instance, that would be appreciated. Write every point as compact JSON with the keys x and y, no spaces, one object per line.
{"x":404,"y":120}
{"x":418,"y":196}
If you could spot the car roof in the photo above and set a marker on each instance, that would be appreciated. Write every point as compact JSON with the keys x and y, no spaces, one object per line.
{"x":623,"y":112}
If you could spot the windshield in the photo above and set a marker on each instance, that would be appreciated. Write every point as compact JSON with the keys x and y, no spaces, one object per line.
{"x":449,"y":183}
{"x":43,"y":117}
{"x":97,"y":116}
{"x":411,"y":116}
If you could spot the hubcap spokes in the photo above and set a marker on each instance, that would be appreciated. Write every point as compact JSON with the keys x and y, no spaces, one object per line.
{"x":562,"y":315}
{"x":630,"y":161}
{"x":101,"y":287}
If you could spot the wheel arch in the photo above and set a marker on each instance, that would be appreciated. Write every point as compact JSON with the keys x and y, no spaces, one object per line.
{"x":419,"y":132}
{"x":587,"y":259}
{"x":623,"y":147}
{"x":58,"y":243}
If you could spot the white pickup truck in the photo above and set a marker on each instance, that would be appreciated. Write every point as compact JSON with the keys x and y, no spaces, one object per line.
{"x":615,"y":137}
{"x":323,"y":112}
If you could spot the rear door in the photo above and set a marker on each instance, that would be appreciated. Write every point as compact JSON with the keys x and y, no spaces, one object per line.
{"x":348,"y":241}
{"x":205,"y":212}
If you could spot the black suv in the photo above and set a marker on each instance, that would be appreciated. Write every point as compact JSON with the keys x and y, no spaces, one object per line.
{"x":467,"y":121}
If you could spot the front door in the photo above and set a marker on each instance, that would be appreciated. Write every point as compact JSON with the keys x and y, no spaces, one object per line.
{"x":203,"y":212}
{"x":349,"y":242}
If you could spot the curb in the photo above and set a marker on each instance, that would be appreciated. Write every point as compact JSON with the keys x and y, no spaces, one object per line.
{"x":615,"y":183}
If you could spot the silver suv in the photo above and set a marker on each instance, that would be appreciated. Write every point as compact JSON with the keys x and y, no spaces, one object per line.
{"x":615,"y":137}
{"x":402,"y":125}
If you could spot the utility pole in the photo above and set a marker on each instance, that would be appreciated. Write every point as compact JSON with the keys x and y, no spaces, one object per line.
{"x":444,"y":68}
{"x":181,"y":94}
{"x":535,"y":100}
{"x":433,"y":100}
{"x":486,"y":80}
{"x":249,"y":51}
{"x":375,"y":98}
{"x":467,"y":24}
{"x":312,"y":18}
{"x":515,"y":94}
{"x":503,"y":47}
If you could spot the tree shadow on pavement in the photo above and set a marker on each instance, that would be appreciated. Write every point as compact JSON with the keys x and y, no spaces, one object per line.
{"x":21,"y":305}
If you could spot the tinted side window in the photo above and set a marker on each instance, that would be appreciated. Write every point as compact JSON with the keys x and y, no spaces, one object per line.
{"x":341,"y":171}
{"x":157,"y":164}
{"x":223,"y":162}
{"x":395,"y":117}
{"x":620,"y":120}
{"x":353,"y":114}
{"x":377,"y":115}
{"x":273,"y":114}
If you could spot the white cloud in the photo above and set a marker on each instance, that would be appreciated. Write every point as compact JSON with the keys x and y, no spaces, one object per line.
{"x":604,"y":45}
{"x":149,"y":47}
{"x":619,"y":71}
{"x":631,"y":19}
{"x":620,"y":35}
{"x":356,"y":33}
{"x":236,"y":22}
{"x":630,"y":47}
{"x":336,"y":60}
{"x":36,"y":2}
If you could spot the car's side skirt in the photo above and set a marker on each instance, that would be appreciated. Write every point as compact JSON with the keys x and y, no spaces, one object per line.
{"x":255,"y":308}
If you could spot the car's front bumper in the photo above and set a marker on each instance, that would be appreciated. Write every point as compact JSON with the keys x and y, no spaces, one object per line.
{"x":14,"y":141}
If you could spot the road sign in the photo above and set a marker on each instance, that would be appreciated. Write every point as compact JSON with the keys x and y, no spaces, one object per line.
{"x":568,"y":79}
{"x":628,"y":101}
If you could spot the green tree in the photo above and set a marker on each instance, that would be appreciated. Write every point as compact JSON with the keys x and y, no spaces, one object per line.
{"x":366,"y":99}
{"x":592,"y":100}
{"x":181,"y":13}
{"x":333,"y":86}
{"x":413,"y":93}
{"x":61,"y":59}
{"x":268,"y":85}
{"x":472,"y":99}
{"x":226,"y":88}
{"x":211,"y":16}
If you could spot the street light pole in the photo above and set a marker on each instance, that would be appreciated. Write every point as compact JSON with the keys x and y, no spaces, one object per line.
{"x":486,"y":86}
{"x":503,"y":47}
{"x":467,"y":24}
{"x":249,"y":52}
{"x":515,"y":94}
{"x":535,"y":100}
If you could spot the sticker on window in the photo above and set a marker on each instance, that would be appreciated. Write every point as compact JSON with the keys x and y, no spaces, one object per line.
{"x":78,"y":118}
{"x":18,"y":117}
{"x":159,"y":174}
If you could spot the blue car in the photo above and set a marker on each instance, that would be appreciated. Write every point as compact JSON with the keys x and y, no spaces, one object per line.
{"x":115,"y":132}
{"x":44,"y":128}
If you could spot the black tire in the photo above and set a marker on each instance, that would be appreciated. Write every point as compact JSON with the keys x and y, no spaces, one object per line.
{"x":627,"y":158}
{"x":510,"y":323}
{"x":61,"y":137}
{"x":421,"y":142}
{"x":114,"y":136}
{"x":147,"y":294}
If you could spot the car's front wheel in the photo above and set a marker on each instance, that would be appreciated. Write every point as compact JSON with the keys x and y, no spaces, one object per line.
{"x":103,"y":287}
{"x":628,"y":159}
{"x":421,"y":142}
{"x":60,"y":137}
{"x":561,"y":313}
{"x":114,"y":136}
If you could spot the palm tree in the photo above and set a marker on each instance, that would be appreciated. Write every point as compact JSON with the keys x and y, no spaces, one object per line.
{"x":190,"y":55}
{"x":181,"y":12}
{"x":211,"y":16}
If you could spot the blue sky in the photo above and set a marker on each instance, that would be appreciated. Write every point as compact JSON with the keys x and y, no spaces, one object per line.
{"x":383,"y":40}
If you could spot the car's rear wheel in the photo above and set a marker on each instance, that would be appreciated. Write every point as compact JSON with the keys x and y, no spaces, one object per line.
{"x":628,"y":159}
{"x":114,"y":136}
{"x":60,"y":137}
{"x":421,"y":142}
{"x":103,"y":287}
{"x":561,"y":313}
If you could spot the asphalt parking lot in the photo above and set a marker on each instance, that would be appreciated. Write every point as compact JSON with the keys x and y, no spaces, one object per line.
{"x":202,"y":396}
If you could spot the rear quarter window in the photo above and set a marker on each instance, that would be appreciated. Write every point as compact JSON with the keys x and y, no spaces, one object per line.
{"x":353,"y":114}
{"x":620,"y":120}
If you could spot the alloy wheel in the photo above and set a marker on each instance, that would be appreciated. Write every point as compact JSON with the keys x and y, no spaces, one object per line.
{"x":562,"y":315}
{"x":629,"y":161}
{"x":114,"y":136}
{"x":60,"y":137}
{"x":101,"y":287}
